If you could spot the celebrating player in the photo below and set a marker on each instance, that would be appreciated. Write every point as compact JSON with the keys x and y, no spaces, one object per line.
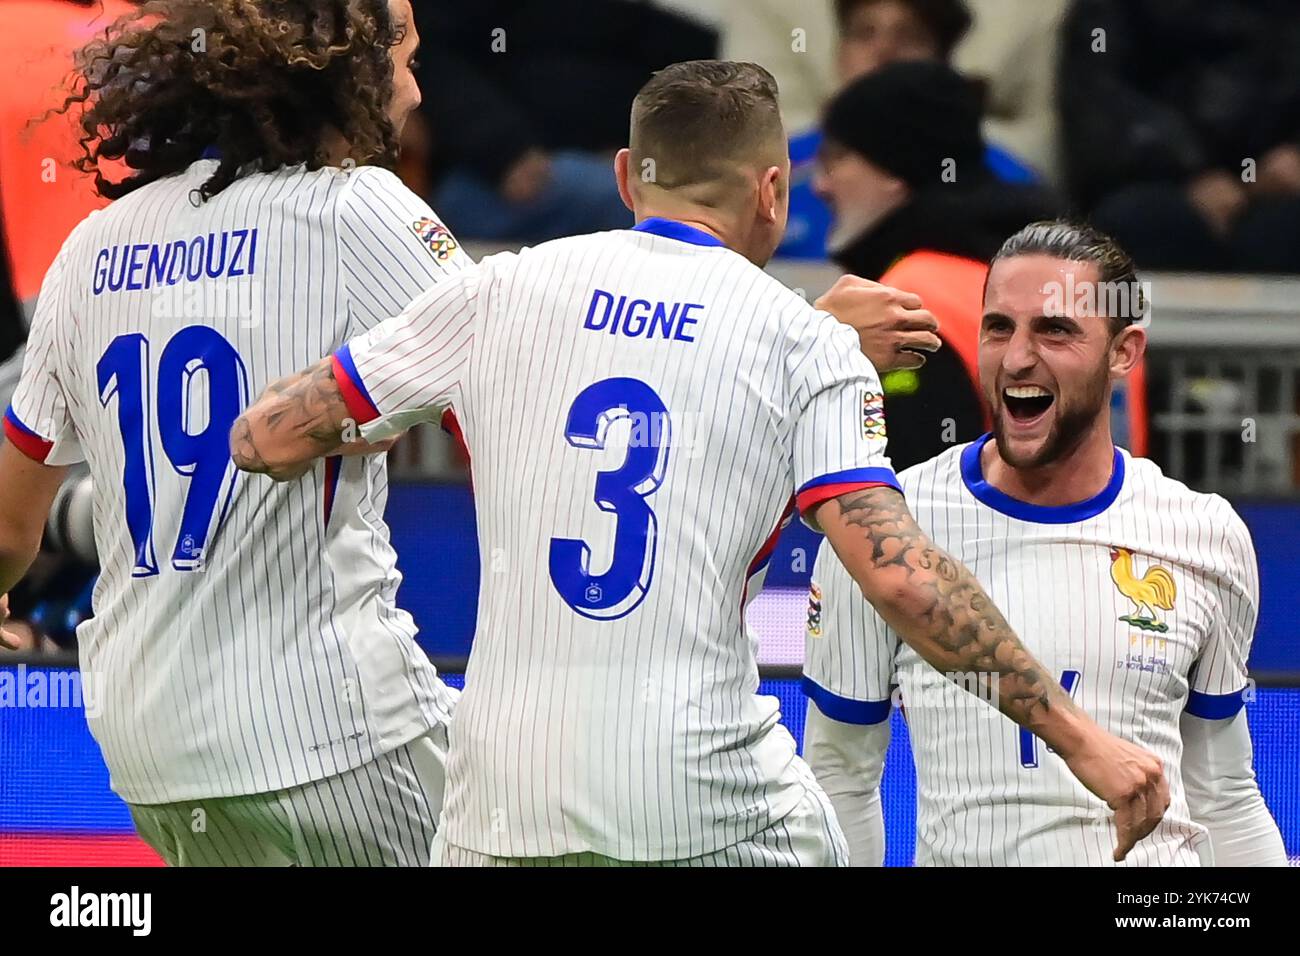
{"x":1139,"y":594}
{"x":263,"y":697}
{"x":640,"y":404}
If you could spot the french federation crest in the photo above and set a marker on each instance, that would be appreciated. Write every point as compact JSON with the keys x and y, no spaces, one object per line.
{"x":873,"y":414}
{"x":814,"y":610}
{"x":437,"y":237}
{"x":1150,"y":594}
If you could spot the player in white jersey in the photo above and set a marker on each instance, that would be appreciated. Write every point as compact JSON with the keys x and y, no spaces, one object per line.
{"x":640,"y":406}
{"x":259,"y":696}
{"x":1138,"y":594}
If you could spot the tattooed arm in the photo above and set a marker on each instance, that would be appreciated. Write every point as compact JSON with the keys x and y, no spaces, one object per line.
{"x":297,"y":420}
{"x":940,"y":610}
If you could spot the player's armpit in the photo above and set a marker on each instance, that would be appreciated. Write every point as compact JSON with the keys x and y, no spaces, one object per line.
{"x":938,"y":607}
{"x":295,"y":421}
{"x":27,"y":490}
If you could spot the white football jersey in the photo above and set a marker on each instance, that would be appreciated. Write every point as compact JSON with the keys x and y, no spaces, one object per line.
{"x":245,"y":635}
{"x":1141,"y":601}
{"x":640,"y":406}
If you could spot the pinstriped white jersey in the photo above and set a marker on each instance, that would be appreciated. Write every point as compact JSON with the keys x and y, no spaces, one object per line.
{"x":245,"y":635}
{"x":1141,"y":601}
{"x":640,"y":406}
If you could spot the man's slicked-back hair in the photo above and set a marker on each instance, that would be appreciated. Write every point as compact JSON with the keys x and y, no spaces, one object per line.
{"x":696,"y":124}
{"x":1080,"y":242}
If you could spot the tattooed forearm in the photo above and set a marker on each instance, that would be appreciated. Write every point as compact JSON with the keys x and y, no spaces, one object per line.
{"x":937,"y":606}
{"x":298,"y":419}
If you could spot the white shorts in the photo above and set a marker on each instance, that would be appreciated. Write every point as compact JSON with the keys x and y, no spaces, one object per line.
{"x":809,"y":835}
{"x":383,"y":813}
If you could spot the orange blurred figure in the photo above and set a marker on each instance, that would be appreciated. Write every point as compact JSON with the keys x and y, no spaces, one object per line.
{"x":44,"y":198}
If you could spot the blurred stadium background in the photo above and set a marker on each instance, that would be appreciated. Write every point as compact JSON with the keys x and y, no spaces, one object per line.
{"x":514,"y":147}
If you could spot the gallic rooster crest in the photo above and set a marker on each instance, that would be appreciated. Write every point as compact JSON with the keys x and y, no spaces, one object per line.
{"x":1152,"y":593}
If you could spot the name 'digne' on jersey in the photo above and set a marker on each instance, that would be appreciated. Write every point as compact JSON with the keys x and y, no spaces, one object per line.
{"x":140,"y":267}
{"x":640,"y":317}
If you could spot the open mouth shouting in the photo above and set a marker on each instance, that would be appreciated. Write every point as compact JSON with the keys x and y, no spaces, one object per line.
{"x":1026,"y":404}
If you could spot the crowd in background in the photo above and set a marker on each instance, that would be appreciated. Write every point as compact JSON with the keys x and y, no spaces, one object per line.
{"x":922,"y":133}
{"x":1173,"y":124}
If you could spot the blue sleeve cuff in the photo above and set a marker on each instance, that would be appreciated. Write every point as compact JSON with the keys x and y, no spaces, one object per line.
{"x":1215,"y":706}
{"x":843,"y":709}
{"x":823,"y":489}
{"x":863,"y":476}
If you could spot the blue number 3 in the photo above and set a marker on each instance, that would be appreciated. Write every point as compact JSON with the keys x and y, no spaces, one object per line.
{"x":195,"y":439}
{"x":617,"y":591}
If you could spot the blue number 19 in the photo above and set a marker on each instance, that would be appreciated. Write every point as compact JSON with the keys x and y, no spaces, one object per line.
{"x":617,"y":591}
{"x":195,"y":436}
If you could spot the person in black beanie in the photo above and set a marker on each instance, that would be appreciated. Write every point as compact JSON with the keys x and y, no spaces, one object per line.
{"x":902,"y":168}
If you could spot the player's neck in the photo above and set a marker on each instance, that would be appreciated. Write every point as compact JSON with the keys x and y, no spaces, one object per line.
{"x":1082,"y":473}
{"x":700,"y":221}
{"x":336,"y":148}
{"x":714,"y":225}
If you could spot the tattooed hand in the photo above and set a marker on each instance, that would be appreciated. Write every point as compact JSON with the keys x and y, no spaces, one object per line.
{"x":297,"y":420}
{"x":940,"y":610}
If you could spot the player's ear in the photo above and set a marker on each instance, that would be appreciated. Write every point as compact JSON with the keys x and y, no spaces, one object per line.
{"x":1126,"y":351}
{"x":770,"y":194}
{"x":621,"y":163}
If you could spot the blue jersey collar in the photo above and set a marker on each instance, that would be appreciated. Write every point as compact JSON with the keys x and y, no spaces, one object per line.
{"x":671,"y":229}
{"x":972,"y":474}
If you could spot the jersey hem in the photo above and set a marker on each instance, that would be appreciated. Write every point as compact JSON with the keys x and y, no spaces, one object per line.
{"x":409,"y":732}
{"x":786,"y":794}
{"x":661,"y":853}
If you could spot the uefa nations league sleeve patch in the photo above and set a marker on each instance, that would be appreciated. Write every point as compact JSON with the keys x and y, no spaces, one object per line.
{"x":436,"y":237}
{"x":814,"y":610}
{"x":873,"y":414}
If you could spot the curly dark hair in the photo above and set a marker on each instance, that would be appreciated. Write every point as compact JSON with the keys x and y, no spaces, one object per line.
{"x":258,"y":84}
